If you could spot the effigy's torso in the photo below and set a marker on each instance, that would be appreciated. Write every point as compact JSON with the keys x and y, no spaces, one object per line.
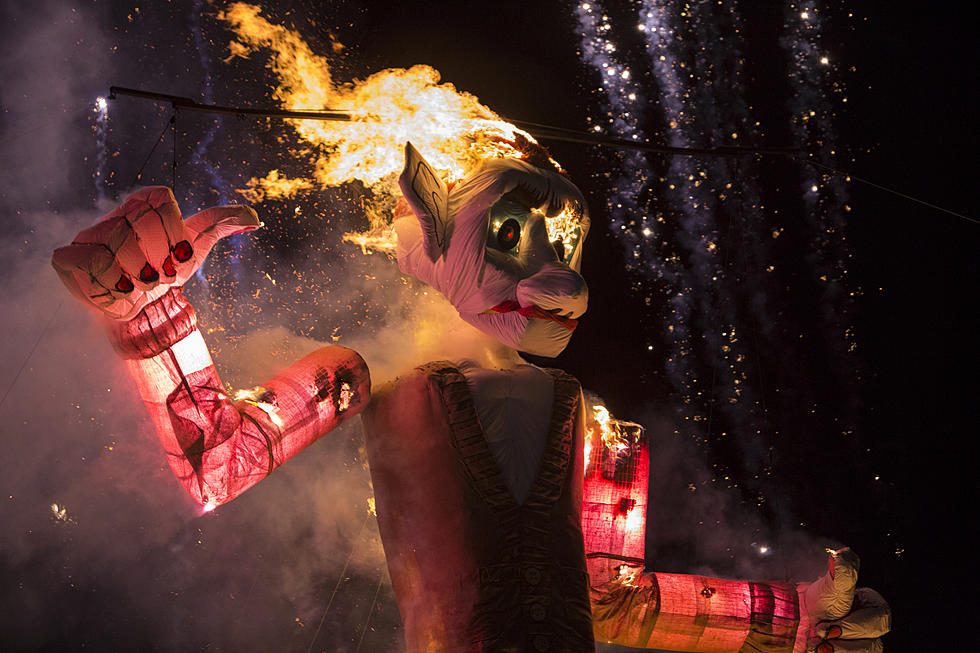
{"x":472,"y":568}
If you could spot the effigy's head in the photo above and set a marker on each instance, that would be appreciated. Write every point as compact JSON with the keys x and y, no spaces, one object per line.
{"x":503,"y":245}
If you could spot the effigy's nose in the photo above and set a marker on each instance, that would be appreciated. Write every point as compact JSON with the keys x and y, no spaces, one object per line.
{"x":555,"y":288}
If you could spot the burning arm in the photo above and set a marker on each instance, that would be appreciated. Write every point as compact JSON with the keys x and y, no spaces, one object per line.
{"x":709,"y":615}
{"x":219,"y":446}
{"x":681,"y":612}
{"x":131,"y":266}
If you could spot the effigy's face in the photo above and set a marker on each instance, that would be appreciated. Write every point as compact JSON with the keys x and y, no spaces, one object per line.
{"x":517,"y":214}
{"x":503,"y":245}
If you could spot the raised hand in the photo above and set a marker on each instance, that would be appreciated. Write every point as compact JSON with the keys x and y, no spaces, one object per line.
{"x":134,"y":254}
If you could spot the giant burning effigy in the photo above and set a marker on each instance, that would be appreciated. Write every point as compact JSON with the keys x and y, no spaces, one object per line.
{"x":512,"y":515}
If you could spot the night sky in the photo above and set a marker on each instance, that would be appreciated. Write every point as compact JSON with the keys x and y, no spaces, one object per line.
{"x":796,"y":342}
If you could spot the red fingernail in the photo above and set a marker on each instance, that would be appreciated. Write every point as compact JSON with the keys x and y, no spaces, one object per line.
{"x":124,"y":284}
{"x":183,"y":251}
{"x":834,"y":632}
{"x":148,"y":274}
{"x":825,"y":647}
{"x":168,"y":267}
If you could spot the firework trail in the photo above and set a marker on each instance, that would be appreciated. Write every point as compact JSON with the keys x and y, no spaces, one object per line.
{"x":825,"y":196}
{"x":707,"y":254}
{"x":102,"y":151}
{"x":199,"y":157}
{"x":622,"y":100}
{"x":702,"y":98}
{"x":682,"y":245}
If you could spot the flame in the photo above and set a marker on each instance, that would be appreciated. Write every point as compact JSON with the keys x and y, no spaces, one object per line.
{"x":380,"y":237}
{"x":564,"y":227}
{"x":271,"y":411}
{"x":634,"y":519}
{"x":588,"y":450}
{"x":612,"y":436}
{"x":372,"y":509}
{"x":616,"y":435}
{"x":346,"y":397}
{"x":274,"y":186}
{"x":255,"y":397}
{"x":60,"y":512}
{"x":628,"y":575}
{"x":451,"y":128}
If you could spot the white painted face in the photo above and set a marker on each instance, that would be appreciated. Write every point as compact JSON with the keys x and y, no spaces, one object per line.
{"x":484,"y":245}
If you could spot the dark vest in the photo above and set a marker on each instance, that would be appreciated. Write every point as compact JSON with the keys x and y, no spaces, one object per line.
{"x":471,"y":569}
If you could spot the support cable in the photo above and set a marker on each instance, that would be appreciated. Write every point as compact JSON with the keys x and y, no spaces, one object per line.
{"x":842,"y":173}
{"x":139,"y":174}
{"x":340,"y":579}
{"x":173,"y":169}
{"x":30,"y":354}
{"x":367,"y":622}
{"x":538,"y":130}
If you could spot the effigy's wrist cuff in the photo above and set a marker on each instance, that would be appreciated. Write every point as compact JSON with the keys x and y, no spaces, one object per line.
{"x":160,"y":325}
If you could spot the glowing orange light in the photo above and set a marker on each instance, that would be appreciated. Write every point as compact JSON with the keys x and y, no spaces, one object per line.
{"x":449,"y":127}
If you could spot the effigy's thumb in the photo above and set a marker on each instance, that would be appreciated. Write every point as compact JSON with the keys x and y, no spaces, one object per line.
{"x":831,"y":595}
{"x":220,"y":221}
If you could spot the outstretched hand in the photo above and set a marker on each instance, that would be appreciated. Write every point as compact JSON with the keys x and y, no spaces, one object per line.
{"x":137,"y":252}
{"x":841,"y":616}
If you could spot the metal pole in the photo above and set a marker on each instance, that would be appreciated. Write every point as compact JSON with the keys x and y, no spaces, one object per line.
{"x":190,"y":105}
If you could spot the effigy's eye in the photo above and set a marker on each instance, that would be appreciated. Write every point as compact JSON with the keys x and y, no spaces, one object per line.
{"x":509,"y":234}
{"x":508,"y":216}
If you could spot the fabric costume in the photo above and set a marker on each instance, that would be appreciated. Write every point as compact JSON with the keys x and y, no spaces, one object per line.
{"x":473,"y":567}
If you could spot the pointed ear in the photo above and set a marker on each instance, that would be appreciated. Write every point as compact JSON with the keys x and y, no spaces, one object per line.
{"x":428,"y":195}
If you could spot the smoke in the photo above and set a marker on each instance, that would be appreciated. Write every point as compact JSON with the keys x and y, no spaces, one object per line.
{"x":697,"y":525}
{"x":101,"y":547}
{"x":246,"y":576}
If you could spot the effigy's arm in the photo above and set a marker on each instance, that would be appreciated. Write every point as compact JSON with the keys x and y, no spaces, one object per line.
{"x":131,"y":266}
{"x":680,"y":612}
{"x":218,"y":446}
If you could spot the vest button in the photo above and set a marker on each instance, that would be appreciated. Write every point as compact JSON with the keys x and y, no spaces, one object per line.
{"x":538,"y":612}
{"x":540,"y":643}
{"x":532,"y":575}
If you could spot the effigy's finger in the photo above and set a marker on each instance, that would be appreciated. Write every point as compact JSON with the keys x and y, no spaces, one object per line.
{"x":204,"y":229}
{"x":220,"y":221}
{"x":870,"y":617}
{"x":131,"y":255}
{"x":92,"y":273}
{"x":850,"y":646}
